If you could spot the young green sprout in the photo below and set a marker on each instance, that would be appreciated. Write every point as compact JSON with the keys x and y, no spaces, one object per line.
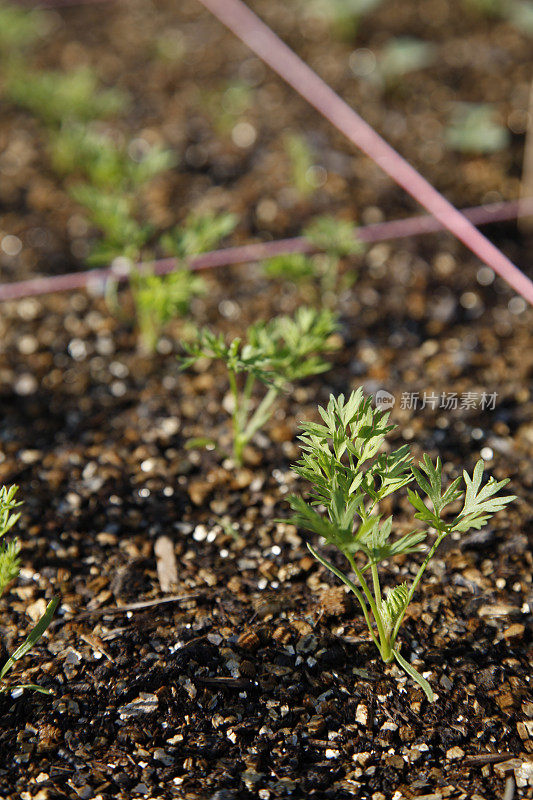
{"x":198,"y":234}
{"x":113,"y":214}
{"x":158,"y":299}
{"x":320,"y":273}
{"x":302,"y":163}
{"x":336,"y":239}
{"x":474,"y":129}
{"x":21,"y":28}
{"x":56,"y":96}
{"x":343,"y":16}
{"x":275,"y":353}
{"x":76,"y":148}
{"x":342,"y":460}
{"x":9,"y":569}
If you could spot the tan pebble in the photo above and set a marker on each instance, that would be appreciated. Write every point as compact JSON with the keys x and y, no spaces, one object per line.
{"x":301,"y":626}
{"x":281,"y":433}
{"x":242,"y":479}
{"x":527,"y":708}
{"x":251,"y":456}
{"x":37,"y":609}
{"x":249,"y":640}
{"x":454,"y":753}
{"x":198,"y":491}
{"x":514,"y":631}
{"x":361,"y":714}
{"x":282,"y":635}
{"x":235,"y":584}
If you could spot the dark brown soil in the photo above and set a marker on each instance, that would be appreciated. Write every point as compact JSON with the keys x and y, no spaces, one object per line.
{"x":259,"y":680}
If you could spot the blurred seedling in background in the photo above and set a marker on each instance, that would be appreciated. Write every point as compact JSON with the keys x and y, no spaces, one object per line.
{"x":305,"y":175}
{"x":75,"y":148}
{"x":349,"y":476}
{"x":336,"y":239}
{"x":20,"y":29}
{"x":473,"y":129}
{"x":227,"y":106}
{"x":520,"y":14}
{"x":9,"y":570}
{"x":114,"y":215}
{"x":343,"y":17}
{"x":198,"y":234}
{"x":275,"y":353}
{"x":57,"y":97}
{"x":298,"y":268}
{"x":159,"y":299}
{"x":399,"y":57}
{"x":113,"y":198}
{"x":490,"y":9}
{"x":170,"y":45}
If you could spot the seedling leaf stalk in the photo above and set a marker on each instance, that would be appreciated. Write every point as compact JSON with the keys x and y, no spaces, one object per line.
{"x":275,"y":353}
{"x":350,"y":476}
{"x":9,"y":569}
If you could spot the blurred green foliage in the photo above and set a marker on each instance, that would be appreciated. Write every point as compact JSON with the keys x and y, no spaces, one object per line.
{"x":473,"y":129}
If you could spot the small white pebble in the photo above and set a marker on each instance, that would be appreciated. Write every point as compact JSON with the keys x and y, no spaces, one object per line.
{"x":244,"y":134}
{"x":11,"y":245}
{"x":517,"y":305}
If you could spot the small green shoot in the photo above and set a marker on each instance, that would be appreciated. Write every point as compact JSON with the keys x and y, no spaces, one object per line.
{"x":228,"y":105}
{"x":198,"y":234}
{"x":56,"y":97}
{"x":403,"y":55}
{"x":112,"y":213}
{"x":9,"y":569}
{"x":342,"y":16}
{"x":490,"y":9}
{"x":158,"y":299}
{"x":473,"y":130}
{"x":349,"y":477}
{"x":295,"y":267}
{"x":9,"y":561}
{"x":337,"y":239}
{"x":76,"y":148}
{"x":276,"y":353}
{"x":20,"y":28}
{"x":302,"y":163}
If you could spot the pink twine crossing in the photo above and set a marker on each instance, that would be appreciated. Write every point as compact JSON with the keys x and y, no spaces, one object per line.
{"x":379,"y":232}
{"x":270,"y":48}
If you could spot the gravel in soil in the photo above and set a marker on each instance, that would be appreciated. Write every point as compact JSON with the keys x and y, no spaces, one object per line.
{"x":260,"y":680}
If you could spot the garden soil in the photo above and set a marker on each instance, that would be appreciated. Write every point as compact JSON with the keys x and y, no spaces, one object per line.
{"x":250,"y":673}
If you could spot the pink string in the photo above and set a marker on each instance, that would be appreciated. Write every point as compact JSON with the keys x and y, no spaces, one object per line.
{"x":269,"y":47}
{"x":379,"y":232}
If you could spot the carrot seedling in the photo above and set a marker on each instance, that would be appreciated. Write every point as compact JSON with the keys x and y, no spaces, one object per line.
{"x":342,"y":460}
{"x":9,"y":569}
{"x":275,"y":353}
